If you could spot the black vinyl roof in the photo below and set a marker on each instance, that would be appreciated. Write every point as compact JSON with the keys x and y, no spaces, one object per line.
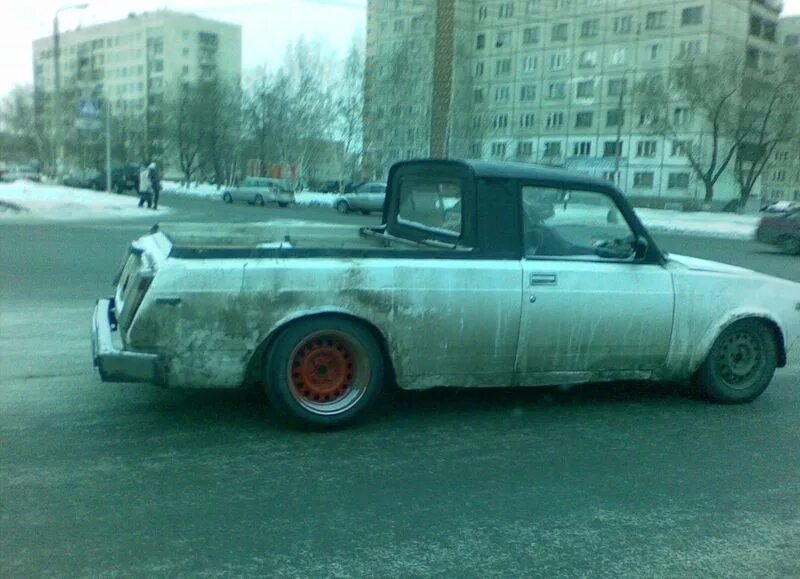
{"x":527,"y":171}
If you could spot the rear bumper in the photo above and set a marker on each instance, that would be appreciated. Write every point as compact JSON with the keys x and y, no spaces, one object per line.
{"x":114,"y":363}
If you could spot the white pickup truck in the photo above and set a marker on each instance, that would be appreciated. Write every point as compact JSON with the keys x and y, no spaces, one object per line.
{"x":482,"y":274}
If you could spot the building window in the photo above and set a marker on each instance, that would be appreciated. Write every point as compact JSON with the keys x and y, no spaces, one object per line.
{"x":527,"y":120}
{"x":690,"y":48}
{"x":483,"y":12}
{"x":678,"y":181}
{"x":681,"y":116}
{"x":693,"y":15}
{"x":792,"y":40}
{"x":503,"y":39}
{"x":556,"y":90}
{"x":557,"y":61}
{"x":502,"y":94}
{"x":552,"y":149}
{"x":399,"y":25}
{"x":477,"y":122}
{"x":623,"y":24}
{"x":585,"y":89}
{"x":480,"y":41}
{"x":555,"y":120}
{"x":525,"y":149}
{"x":529,"y":63}
{"x":643,"y":179}
{"x":479,"y":69}
{"x":588,"y":59}
{"x":530,"y":35}
{"x":617,"y":87}
{"x":499,"y":121}
{"x":646,"y":149}
{"x":619,"y":56}
{"x":615,"y":118}
{"x":476,"y":150}
{"x":559,"y":32}
{"x":527,"y":92}
{"x":477,"y":95}
{"x":655,"y":51}
{"x":532,"y":6}
{"x":582,"y":148}
{"x":583,"y":120}
{"x":612,"y":148}
{"x":590,"y":28}
{"x":780,"y":175}
{"x":752,"y":57}
{"x":506,"y":10}
{"x":502,"y":66}
{"x":656,"y":20}
{"x":498,"y":150}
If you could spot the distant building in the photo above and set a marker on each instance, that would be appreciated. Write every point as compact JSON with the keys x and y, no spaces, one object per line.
{"x":133,"y":64}
{"x":549,"y":81}
{"x":782,"y":175}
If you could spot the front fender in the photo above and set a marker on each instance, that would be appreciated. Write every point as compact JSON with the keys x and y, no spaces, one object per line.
{"x":703,"y":347}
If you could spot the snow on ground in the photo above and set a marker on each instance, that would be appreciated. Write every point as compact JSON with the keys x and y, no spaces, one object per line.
{"x":25,"y":200}
{"x":304,"y":198}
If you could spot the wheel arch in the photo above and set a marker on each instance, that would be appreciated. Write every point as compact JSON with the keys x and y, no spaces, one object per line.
{"x":345,"y":201}
{"x":705,"y":345}
{"x":253,"y":374}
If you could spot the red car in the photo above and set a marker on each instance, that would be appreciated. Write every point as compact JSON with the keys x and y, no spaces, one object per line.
{"x":782,"y":230}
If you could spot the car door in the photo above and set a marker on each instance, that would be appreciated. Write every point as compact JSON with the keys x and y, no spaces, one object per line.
{"x":375,"y":194}
{"x":591,"y":309}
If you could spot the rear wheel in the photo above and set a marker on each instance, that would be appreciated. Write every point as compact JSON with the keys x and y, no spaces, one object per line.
{"x":741,"y":363}
{"x":227,"y":197}
{"x":282,"y":204}
{"x":259,"y":200}
{"x":342,"y":206}
{"x":325,"y":371}
{"x":790,"y":244}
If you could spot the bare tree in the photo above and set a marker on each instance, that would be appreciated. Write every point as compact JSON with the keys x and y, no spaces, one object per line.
{"x":18,"y":118}
{"x":349,"y":111}
{"x":770,"y":118}
{"x":711,"y":90}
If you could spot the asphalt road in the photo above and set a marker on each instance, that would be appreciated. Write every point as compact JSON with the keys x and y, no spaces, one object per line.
{"x":124,"y":480}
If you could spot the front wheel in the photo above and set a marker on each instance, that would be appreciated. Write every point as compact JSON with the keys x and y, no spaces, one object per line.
{"x":282,"y":204}
{"x":741,"y":363}
{"x":259,"y":200}
{"x":324,"y":372}
{"x":342,"y":207}
{"x":227,"y":197}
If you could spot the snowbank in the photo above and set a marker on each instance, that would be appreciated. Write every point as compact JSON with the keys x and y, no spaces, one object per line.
{"x":701,"y":223}
{"x":25,"y":200}
{"x":304,"y":199}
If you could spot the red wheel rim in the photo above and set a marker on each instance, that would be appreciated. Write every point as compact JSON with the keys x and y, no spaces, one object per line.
{"x":328,"y":372}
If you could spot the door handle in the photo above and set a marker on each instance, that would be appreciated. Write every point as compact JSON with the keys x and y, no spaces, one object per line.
{"x":543,"y":279}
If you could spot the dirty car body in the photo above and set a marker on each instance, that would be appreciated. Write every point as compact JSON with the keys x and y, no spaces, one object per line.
{"x":481,"y":275}
{"x":259,"y":191}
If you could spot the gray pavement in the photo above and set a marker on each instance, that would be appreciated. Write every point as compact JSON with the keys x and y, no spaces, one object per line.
{"x":125,"y":480}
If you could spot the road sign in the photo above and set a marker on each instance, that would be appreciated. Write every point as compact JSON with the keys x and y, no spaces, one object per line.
{"x":88,"y":109}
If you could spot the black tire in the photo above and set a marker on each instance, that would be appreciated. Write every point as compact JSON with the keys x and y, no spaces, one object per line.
{"x":364,"y":212}
{"x":227,"y":197}
{"x":324,"y":372}
{"x":741,"y":363}
{"x":790,"y":244}
{"x":258,"y":200}
{"x":342,"y":207}
{"x":281,"y":204}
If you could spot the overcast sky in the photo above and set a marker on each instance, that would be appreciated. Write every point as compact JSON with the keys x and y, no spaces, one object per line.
{"x":267,"y":25}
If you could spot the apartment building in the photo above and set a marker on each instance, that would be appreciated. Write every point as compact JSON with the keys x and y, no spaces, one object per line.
{"x":551,"y":81}
{"x":782,"y":175}
{"x":132,"y":64}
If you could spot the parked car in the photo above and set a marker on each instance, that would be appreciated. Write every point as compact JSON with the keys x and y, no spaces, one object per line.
{"x":366,"y":198}
{"x":260,"y":190}
{"x":20,"y":172}
{"x":123,"y":178}
{"x":781,"y":207}
{"x":782,"y":230}
{"x":82,"y":179}
{"x":478,"y":277}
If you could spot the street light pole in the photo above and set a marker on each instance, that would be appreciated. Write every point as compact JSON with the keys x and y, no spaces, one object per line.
{"x":58,"y":146}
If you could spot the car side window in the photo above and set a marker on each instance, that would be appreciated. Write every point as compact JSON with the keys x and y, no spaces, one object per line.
{"x":574,"y":224}
{"x":431,"y":204}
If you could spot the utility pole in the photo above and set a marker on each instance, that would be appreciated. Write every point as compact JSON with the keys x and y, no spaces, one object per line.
{"x":620,"y":116}
{"x":57,"y":142}
{"x":107,"y":113}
